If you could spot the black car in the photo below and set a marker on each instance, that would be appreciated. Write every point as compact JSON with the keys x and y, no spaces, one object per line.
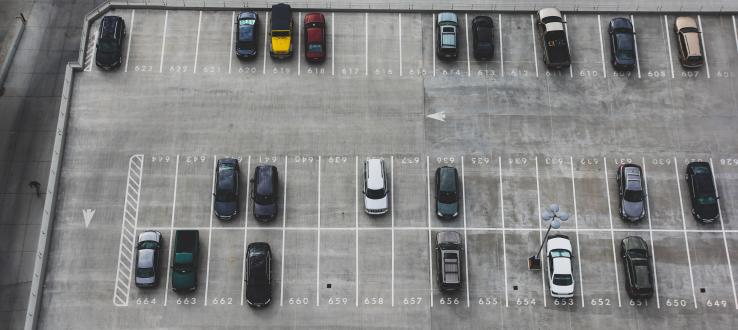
{"x":447,"y":192}
{"x":702,"y":192}
{"x":225,"y":204}
{"x":483,"y":38}
{"x":637,"y":267}
{"x":109,"y":54}
{"x":264,"y":192}
{"x":632,"y":204}
{"x":147,"y":259}
{"x":448,"y":260}
{"x":247,"y":34}
{"x":622,"y":44}
{"x":258,"y":274}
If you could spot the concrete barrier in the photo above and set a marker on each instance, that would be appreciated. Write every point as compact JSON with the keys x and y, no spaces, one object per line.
{"x":8,"y":49}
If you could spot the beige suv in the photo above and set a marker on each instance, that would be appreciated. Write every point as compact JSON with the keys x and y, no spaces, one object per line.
{"x":688,"y":41}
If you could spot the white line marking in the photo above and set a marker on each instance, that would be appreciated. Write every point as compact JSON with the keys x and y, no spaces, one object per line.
{"x":210,"y":232}
{"x":502,"y":74}
{"x":466,"y":247}
{"x":433,"y":45}
{"x":650,"y":233}
{"x":128,"y":233}
{"x":502,"y":217}
{"x":284,"y":224}
{"x":468,"y":60}
{"x":576,"y":225}
{"x":540,"y":229}
{"x":725,"y":240}
{"x":333,"y":44}
{"x":535,"y":56}
{"x":130,"y":34}
{"x":163,"y":41}
{"x":684,"y":226}
{"x":366,"y":44}
{"x":197,"y":51}
{"x":299,"y":42}
{"x":612,"y":232}
{"x":356,"y":229}
{"x":635,"y":43}
{"x":245,"y":229}
{"x":735,"y":33}
{"x":571,"y":70}
{"x":317,"y":277}
{"x":266,"y":40}
{"x":171,"y":229}
{"x":399,"y":33}
{"x":668,"y":45}
{"x":704,"y":46}
{"x":430,"y":240}
{"x":392,"y":214}
{"x":602,"y":48}
{"x":230,"y":49}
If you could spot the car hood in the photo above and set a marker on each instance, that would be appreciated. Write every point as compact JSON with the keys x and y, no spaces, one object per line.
{"x":375,"y":204}
{"x":258,"y":294}
{"x":281,"y":44}
{"x":707,"y":212}
{"x":226,"y":209}
{"x":183,"y":280}
{"x":633,"y":210}
{"x":448,"y":209}
{"x":265,"y":210}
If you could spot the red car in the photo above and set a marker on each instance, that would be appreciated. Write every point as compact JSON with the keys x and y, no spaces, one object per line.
{"x":315,"y":48}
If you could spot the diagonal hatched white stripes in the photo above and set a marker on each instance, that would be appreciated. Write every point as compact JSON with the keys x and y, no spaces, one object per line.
{"x":128,"y":231}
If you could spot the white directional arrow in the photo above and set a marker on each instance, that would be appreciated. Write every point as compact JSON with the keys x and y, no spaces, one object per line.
{"x":440,"y":116}
{"x":88,"y":214}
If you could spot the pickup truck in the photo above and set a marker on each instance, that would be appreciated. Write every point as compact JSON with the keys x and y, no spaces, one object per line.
{"x":553,"y":35}
{"x":184,"y":265}
{"x":280,"y":30}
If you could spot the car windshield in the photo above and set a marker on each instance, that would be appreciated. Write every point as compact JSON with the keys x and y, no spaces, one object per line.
{"x":447,"y":197}
{"x":690,"y":30}
{"x":638,"y":254}
{"x":633,"y":196}
{"x":147,"y":245}
{"x":245,"y":34}
{"x":280,"y":33}
{"x":107,"y":45}
{"x":375,"y":193}
{"x":315,"y":48}
{"x":706,"y":200}
{"x":264,"y":199}
{"x":561,"y":253}
{"x":448,"y":40}
{"x":562,"y":279}
{"x":225,"y":196}
{"x":144,"y":272}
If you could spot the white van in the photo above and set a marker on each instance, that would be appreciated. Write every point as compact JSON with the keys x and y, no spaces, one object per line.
{"x":376,"y":192}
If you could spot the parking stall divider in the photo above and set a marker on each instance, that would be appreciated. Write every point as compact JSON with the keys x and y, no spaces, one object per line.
{"x":735,"y":33}
{"x":266,"y":19}
{"x":356,"y":230}
{"x":650,"y":233}
{"x":130,"y":35}
{"x":399,"y":34}
{"x":540,"y":229}
{"x":535,"y":48}
{"x":333,"y":44}
{"x":502,"y":59}
{"x":392,"y":215}
{"x":366,"y":43}
{"x":704,"y":46}
{"x":284,"y":223}
{"x":171,"y":228}
{"x":725,"y":239}
{"x":502,"y":217}
{"x":230,"y":51}
{"x":210,"y":231}
{"x":635,"y":44}
{"x":602,"y":47}
{"x":571,"y":70}
{"x":246,"y":228}
{"x":163,"y":41}
{"x":433,"y":23}
{"x":466,"y":245}
{"x":684,"y":226}
{"x":197,"y":42}
{"x":299,"y":42}
{"x":668,"y":45}
{"x":468,"y":58}
{"x":612,"y":232}
{"x":317,"y":272}
{"x":430,"y":240}
{"x":576,"y":225}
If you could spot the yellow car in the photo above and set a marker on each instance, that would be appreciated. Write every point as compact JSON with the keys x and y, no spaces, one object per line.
{"x":281,"y":31}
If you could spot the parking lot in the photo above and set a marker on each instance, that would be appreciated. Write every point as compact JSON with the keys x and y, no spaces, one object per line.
{"x":143,"y":141}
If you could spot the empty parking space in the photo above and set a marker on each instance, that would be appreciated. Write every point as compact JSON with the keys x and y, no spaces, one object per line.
{"x":653,"y":56}
{"x":520,"y":192}
{"x":527,"y":288}
{"x":180,"y":42}
{"x":590,"y":181}
{"x":214,"y":46}
{"x":375,"y":272}
{"x":673,"y":271}
{"x":482,"y":191}
{"x":337,"y":274}
{"x":300,"y":268}
{"x":726,"y":176}
{"x":415,"y":60}
{"x":599,"y":280}
{"x":711,"y":273}
{"x":663,"y":194}
{"x":300,"y":185}
{"x":157,"y":189}
{"x":383,"y":48}
{"x":350,"y":36}
{"x":145,"y":46}
{"x":585,"y":44}
{"x":412,"y":282}
{"x":194,"y":191}
{"x":224,"y":268}
{"x":409,"y":177}
{"x":487,"y":269}
{"x":339,"y":182}
{"x":518,"y":41}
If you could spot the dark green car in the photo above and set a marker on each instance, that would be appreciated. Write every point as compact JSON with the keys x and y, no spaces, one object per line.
{"x":447,"y":192}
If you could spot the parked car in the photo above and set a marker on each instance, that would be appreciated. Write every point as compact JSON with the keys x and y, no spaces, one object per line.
{"x":185,"y":260}
{"x":225,"y":203}
{"x":622,"y":44}
{"x":447,"y":36}
{"x":247,"y":35}
{"x":632,"y":204}
{"x":258,"y":274}
{"x":637,"y":267}
{"x":315,"y":41}
{"x":376,"y":191}
{"x":447,"y":192}
{"x":483,"y":38}
{"x":280,"y":30}
{"x":448,"y":260}
{"x":561,"y":274}
{"x":553,"y":37}
{"x":688,"y":42}
{"x":265,"y":185}
{"x":702,"y":192}
{"x":147,"y":259}
{"x":109,"y":46}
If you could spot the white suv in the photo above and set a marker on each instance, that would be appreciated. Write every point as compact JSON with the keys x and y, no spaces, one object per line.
{"x":376,"y":192}
{"x":561,"y":278}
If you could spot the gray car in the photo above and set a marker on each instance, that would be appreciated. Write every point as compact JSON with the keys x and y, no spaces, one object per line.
{"x":147,"y":259}
{"x":631,"y":192}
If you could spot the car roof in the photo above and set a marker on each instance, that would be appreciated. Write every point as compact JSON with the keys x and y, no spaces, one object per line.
{"x":374,"y":173}
{"x":561,"y":266}
{"x":448,"y":237}
{"x":314,"y":34}
{"x":447,"y":17}
{"x":226,"y":179}
{"x":447,"y":177}
{"x":451,"y":269}
{"x":264,"y":185}
{"x":146,"y":258}
{"x":632,"y":178}
{"x":548,"y":12}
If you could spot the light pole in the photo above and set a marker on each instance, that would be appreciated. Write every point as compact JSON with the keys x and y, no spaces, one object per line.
{"x":554,"y":216}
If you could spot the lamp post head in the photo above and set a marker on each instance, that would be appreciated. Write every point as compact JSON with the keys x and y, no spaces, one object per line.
{"x":547,"y":216}
{"x":553,"y":208}
{"x":563,"y":216}
{"x":556,"y":224}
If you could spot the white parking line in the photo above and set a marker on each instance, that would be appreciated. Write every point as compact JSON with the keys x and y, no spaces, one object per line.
{"x":333,"y":44}
{"x":571,"y":70}
{"x":210,"y":232}
{"x":230,"y":51}
{"x":468,"y":59}
{"x":430,"y":240}
{"x":197,"y":51}
{"x":635,"y":43}
{"x":502,"y":74}
{"x":399,"y":34}
{"x":502,"y":217}
{"x":650,"y":233}
{"x":130,"y":34}
{"x":612,"y":233}
{"x":266,"y":40}
{"x":704,"y":46}
{"x":725,"y":239}
{"x":433,"y":45}
{"x":245,"y":230}
{"x":668,"y":45}
{"x":366,"y":44}
{"x":299,"y":42}
{"x":576,"y":225}
{"x":163,"y":41}
{"x":466,"y":246}
{"x":392,"y":214}
{"x":684,"y":226}
{"x":356,"y":229}
{"x":171,"y":229}
{"x":317,"y":277}
{"x":540,"y":227}
{"x":602,"y":51}
{"x":735,"y":33}
{"x":284,"y":223}
{"x":535,"y":58}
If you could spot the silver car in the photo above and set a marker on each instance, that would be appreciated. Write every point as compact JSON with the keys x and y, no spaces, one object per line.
{"x":147,"y":259}
{"x":376,"y":192}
